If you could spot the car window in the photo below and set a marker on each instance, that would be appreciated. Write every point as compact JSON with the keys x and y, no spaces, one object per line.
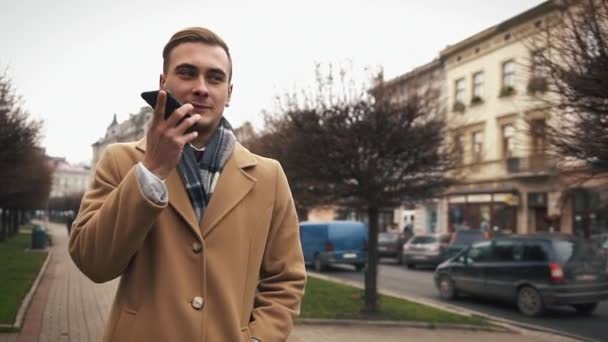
{"x":469,"y":237}
{"x":535,"y":252}
{"x":507,"y":251}
{"x":574,"y":251}
{"x":424,"y":239}
{"x":480,"y":252}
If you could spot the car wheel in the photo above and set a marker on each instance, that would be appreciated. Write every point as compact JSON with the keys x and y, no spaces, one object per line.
{"x":585,"y":309}
{"x":529,"y":302}
{"x":411,"y":266}
{"x":359,"y":267}
{"x":318,"y":264}
{"x":400,"y":259}
{"x":447,"y":290}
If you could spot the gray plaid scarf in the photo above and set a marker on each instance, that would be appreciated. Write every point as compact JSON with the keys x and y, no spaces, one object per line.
{"x":200,"y":177}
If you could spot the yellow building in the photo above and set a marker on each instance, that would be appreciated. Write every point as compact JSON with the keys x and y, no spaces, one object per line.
{"x":497,"y":123}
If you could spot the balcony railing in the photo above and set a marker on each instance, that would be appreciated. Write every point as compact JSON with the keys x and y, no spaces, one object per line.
{"x":534,"y":164}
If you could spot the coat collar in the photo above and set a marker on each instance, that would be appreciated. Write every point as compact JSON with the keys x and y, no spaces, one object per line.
{"x":233,"y":185}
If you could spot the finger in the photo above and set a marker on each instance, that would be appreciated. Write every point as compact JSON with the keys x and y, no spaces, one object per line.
{"x":159,"y":110}
{"x":187,"y":123}
{"x":188,"y":137}
{"x":174,"y":119}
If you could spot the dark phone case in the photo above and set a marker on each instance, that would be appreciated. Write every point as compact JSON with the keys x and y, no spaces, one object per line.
{"x":171,"y":104}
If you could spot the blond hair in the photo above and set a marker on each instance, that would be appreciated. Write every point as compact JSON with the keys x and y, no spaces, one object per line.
{"x":194,"y":35}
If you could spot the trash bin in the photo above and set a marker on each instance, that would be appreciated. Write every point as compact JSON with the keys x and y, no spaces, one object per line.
{"x":39,"y":238}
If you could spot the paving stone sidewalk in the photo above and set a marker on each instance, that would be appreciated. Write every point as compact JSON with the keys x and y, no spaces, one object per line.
{"x":68,"y":307}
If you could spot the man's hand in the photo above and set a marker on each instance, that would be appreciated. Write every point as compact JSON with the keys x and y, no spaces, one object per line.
{"x":165,"y":139}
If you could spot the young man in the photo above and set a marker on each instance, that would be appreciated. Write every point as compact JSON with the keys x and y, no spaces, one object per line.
{"x":202,"y":232}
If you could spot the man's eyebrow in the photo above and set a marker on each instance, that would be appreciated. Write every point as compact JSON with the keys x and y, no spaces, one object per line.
{"x":192,"y":67}
{"x":218,"y":71}
{"x":187,"y":66}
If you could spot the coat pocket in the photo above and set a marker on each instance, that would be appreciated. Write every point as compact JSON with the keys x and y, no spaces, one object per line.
{"x":245,"y":335}
{"x":124,"y":327}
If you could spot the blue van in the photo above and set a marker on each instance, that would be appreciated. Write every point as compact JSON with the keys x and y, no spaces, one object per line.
{"x":334,"y":242}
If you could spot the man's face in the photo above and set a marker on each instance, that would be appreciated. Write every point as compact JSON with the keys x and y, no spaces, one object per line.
{"x":198,"y":73}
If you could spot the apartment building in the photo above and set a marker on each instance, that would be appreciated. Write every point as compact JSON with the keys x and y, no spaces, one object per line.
{"x":131,"y":129}
{"x":497,"y":121}
{"x":68,"y":179}
{"x":426,"y":82}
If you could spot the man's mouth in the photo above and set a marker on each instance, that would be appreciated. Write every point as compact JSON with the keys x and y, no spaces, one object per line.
{"x":200,"y":108}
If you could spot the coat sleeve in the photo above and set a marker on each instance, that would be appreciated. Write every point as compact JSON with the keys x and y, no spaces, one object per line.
{"x":113,"y":221}
{"x":283,"y":274}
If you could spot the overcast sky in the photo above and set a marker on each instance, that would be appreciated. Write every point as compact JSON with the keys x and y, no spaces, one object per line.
{"x":77,"y":62}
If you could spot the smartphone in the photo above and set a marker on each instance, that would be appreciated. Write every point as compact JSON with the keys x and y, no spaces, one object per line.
{"x":170,"y":105}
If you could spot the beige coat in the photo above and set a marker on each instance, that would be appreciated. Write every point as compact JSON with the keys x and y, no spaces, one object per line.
{"x":240,"y":273}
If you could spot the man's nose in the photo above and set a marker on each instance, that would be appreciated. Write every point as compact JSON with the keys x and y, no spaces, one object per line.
{"x":200,"y":87}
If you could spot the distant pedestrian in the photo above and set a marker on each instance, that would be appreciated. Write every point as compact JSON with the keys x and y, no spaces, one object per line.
{"x":69,"y":221}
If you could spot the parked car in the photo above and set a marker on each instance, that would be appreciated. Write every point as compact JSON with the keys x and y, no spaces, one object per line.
{"x":427,"y":250}
{"x":532,"y":271}
{"x":462,"y":239}
{"x":334,"y":242}
{"x":390,"y":244}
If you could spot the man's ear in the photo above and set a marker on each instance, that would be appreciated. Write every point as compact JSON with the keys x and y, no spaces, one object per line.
{"x":229,"y":96}
{"x":161,"y":81}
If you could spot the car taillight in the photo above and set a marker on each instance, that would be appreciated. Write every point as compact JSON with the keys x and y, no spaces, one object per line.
{"x":329,"y":246}
{"x":557,"y":273}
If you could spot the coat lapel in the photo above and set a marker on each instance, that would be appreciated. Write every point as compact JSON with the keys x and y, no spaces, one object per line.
{"x":232,"y":186}
{"x":178,"y":197}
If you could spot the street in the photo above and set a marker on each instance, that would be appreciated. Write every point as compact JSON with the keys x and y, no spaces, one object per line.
{"x":419,"y":283}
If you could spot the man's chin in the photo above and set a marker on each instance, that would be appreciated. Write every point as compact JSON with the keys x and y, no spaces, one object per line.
{"x":204,"y":127}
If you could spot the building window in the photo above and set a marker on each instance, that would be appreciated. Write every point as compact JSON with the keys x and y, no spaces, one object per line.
{"x":508,"y":138}
{"x":459,"y":92}
{"x":538,"y":135}
{"x":459,"y":149}
{"x":538,"y":74}
{"x":477,"y":146}
{"x":538,"y":67}
{"x":508,"y":74}
{"x":477,"y":88}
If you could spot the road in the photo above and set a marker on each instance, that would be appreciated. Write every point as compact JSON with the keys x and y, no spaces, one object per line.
{"x":419,"y":283}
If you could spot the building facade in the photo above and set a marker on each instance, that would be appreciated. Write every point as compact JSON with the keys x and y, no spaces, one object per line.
{"x":131,"y":129}
{"x":427,"y":83}
{"x":68,"y":179}
{"x":506,"y":180}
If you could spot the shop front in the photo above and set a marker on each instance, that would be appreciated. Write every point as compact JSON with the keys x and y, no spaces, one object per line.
{"x":590,"y":211}
{"x":495,"y":211}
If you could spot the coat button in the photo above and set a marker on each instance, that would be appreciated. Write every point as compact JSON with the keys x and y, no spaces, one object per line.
{"x":197,"y":247}
{"x":198,"y":302}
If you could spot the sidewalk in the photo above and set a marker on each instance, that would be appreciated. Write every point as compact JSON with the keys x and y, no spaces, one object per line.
{"x":68,"y":307}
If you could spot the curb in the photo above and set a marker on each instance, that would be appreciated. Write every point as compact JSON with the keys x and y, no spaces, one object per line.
{"x":25,"y":304}
{"x":508,"y":325}
{"x":403,"y":324}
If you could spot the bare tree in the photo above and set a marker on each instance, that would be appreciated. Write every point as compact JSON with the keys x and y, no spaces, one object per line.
{"x":342,"y":146}
{"x":25,"y":179}
{"x":572,"y":54}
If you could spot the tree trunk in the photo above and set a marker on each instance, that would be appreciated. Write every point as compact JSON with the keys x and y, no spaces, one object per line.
{"x":371,"y":273}
{"x":3,"y":230}
{"x":14,"y":222}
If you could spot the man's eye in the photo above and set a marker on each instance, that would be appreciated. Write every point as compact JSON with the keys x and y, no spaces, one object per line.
{"x":216,"y":78}
{"x":187,"y":73}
